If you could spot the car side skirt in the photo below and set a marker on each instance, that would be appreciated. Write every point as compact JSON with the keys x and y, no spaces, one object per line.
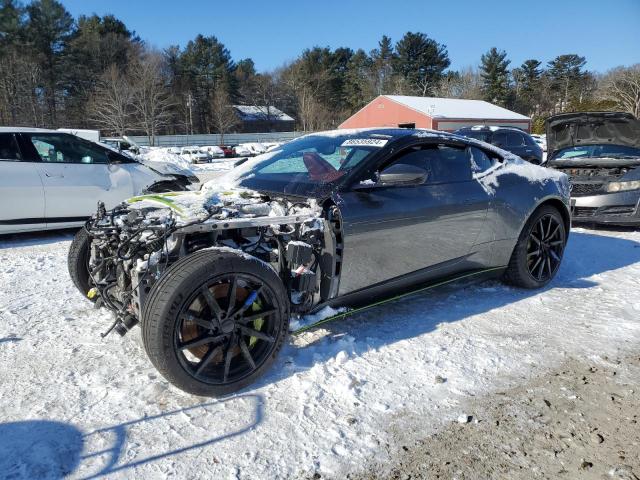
{"x":389,"y":292}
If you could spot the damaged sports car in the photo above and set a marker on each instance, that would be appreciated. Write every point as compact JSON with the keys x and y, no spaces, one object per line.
{"x":600,"y":151}
{"x":338,"y":219}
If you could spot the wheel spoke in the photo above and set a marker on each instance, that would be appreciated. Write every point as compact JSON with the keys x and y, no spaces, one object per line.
{"x":246,"y":353}
{"x":554,"y":255}
{"x":556,"y":242}
{"x":257,"y":315}
{"x":207,"y":324}
{"x":253,"y":296}
{"x":206,"y":360}
{"x":212,"y":302}
{"x":203,"y":340}
{"x":548,"y":262}
{"x":537,"y":252}
{"x":555,"y":230}
{"x":534,"y":238}
{"x":231,"y":299}
{"x":541,"y":225}
{"x":540,"y":269}
{"x":227,"y":363}
{"x":533,"y":268}
{"x":256,"y":333}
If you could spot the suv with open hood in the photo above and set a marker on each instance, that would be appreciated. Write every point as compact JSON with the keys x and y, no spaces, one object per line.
{"x":600,"y":151}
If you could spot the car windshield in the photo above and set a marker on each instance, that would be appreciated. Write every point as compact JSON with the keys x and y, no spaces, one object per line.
{"x":597,"y":151}
{"x":306,"y":166}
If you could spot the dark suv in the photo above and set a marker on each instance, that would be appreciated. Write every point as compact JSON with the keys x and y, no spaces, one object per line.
{"x":508,"y":138}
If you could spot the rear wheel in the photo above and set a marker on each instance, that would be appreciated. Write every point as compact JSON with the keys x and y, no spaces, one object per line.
{"x":215,"y":322}
{"x":537,"y":255}
{"x":78,"y":261}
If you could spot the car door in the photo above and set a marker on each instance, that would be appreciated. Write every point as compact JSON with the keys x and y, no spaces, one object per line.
{"x":76,"y":174}
{"x":396,"y":230}
{"x":21,"y":190}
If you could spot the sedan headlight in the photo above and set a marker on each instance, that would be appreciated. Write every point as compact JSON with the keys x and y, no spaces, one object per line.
{"x":623,"y":186}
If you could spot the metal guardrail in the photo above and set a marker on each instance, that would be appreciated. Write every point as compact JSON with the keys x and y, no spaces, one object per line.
{"x":214,"y":139}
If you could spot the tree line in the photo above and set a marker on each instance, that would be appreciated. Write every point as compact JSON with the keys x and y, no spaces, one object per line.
{"x":94,"y":72}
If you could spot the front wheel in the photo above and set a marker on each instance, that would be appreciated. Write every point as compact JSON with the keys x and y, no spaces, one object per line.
{"x":537,"y":255}
{"x":215,"y":322}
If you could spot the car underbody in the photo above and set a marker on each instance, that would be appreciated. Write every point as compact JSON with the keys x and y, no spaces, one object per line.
{"x":134,"y":244}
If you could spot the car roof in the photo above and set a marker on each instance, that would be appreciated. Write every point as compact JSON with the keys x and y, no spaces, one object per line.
{"x":491,"y":128}
{"x":27,"y":130}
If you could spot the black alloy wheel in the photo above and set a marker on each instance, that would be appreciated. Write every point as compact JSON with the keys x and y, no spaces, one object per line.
{"x":226,"y":330}
{"x":545,"y":247}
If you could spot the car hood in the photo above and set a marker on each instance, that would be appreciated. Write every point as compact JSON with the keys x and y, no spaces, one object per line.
{"x":591,"y":128}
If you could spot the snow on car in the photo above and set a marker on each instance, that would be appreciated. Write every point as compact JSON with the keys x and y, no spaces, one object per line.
{"x":195,"y":155}
{"x":299,"y":229}
{"x":213,"y":150}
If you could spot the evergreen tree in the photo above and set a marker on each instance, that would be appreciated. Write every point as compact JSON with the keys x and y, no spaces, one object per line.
{"x":49,"y":28}
{"x":421,"y":61}
{"x":495,"y":76}
{"x":567,"y":79}
{"x":382,"y":65}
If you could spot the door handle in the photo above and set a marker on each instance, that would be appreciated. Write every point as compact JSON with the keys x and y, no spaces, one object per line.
{"x":52,"y":175}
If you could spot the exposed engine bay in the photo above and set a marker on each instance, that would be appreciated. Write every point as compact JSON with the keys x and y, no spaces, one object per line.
{"x":133,"y":245}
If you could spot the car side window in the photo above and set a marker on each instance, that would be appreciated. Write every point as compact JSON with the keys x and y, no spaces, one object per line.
{"x":480,"y":161}
{"x":9,"y":151}
{"x":443,"y":163}
{"x":54,"y":148}
{"x":515,"y":139}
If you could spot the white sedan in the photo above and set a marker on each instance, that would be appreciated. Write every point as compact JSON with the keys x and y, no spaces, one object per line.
{"x":50,"y":179}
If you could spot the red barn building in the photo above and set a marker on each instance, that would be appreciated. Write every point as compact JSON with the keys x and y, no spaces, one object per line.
{"x":447,"y":114}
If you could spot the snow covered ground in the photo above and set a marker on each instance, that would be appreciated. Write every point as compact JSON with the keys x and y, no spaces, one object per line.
{"x":73,"y":403}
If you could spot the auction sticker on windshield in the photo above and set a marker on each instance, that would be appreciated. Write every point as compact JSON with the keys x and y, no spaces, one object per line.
{"x":364,"y":142}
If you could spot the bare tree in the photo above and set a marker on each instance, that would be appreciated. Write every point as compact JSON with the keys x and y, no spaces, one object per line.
{"x":465,"y":83}
{"x":622,"y":85}
{"x":151,"y":102}
{"x":110,"y":105}
{"x":223,"y":114}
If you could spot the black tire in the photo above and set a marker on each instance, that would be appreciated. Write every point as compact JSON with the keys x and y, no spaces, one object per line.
{"x":211,"y":360}
{"x":533,"y":265}
{"x":78,"y":262}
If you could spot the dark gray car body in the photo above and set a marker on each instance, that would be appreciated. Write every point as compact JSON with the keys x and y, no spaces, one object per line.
{"x":590,"y":177}
{"x":399,"y":236}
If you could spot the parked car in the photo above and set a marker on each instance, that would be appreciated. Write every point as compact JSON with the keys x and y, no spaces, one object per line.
{"x":227,"y":150}
{"x":511,"y":139}
{"x":332,"y":219}
{"x":254,"y":147}
{"x":242,"y":151}
{"x":541,"y":140}
{"x":51,"y":179}
{"x":600,"y":151}
{"x":195,"y":155}
{"x":213,"y":151}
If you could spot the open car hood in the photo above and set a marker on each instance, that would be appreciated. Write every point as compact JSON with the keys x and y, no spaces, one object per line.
{"x":590,"y":128}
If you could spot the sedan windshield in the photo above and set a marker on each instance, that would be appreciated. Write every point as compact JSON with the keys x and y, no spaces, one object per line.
{"x":597,"y":151}
{"x":308,"y":165}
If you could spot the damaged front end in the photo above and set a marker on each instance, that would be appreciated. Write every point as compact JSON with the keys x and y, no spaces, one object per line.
{"x":133,"y":245}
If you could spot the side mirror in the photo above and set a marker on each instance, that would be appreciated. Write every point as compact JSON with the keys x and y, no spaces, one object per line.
{"x":402,"y":174}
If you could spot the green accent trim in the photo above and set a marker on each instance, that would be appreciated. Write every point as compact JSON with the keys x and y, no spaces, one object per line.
{"x":392,"y":299}
{"x":158,"y":198}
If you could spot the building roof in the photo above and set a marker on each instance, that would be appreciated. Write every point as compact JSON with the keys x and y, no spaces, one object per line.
{"x":255,"y":113}
{"x":456,"y":108}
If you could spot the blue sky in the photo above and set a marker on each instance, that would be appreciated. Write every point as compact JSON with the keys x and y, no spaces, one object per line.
{"x":272,"y":32}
